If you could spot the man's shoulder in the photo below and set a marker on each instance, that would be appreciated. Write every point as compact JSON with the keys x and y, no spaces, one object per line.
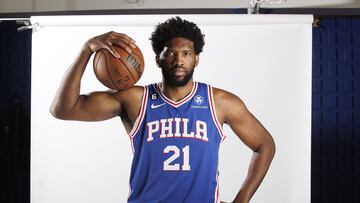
{"x":224,"y":96}
{"x":133,"y":93}
{"x":219,"y":92}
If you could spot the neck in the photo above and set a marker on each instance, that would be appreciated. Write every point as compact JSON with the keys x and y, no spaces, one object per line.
{"x":177,"y":93}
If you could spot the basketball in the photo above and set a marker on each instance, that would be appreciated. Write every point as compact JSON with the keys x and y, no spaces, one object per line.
{"x":118,"y":73}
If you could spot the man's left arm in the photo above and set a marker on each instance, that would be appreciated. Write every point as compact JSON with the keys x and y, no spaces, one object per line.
{"x":232,"y":111}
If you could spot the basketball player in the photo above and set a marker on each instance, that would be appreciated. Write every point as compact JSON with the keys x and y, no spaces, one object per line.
{"x":175,"y":126}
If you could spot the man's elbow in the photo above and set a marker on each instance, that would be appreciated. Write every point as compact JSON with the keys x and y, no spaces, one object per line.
{"x":267,"y":147}
{"x":271,"y":147}
{"x":58,"y":113}
{"x":55,"y":113}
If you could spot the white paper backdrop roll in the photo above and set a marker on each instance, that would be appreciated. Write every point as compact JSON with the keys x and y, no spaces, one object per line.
{"x":264,"y":59}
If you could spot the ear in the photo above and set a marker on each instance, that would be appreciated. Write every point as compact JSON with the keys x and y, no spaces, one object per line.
{"x":196,"y":59}
{"x":157,"y":59}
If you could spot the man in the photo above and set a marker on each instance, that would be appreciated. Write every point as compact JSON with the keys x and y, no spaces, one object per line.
{"x":175,"y":126}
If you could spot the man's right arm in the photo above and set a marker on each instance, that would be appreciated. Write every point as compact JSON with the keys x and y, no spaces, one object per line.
{"x":68,"y":104}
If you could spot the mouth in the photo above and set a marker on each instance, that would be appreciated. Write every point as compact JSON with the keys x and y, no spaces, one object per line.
{"x":178,"y":72}
{"x":177,"y":76}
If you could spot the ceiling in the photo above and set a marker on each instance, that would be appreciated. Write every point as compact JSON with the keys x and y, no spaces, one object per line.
{"x":18,"y":6}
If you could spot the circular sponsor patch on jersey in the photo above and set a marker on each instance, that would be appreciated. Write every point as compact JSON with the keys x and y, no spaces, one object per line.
{"x":199,"y":99}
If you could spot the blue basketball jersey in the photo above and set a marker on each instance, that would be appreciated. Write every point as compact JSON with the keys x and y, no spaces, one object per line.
{"x":175,"y":146}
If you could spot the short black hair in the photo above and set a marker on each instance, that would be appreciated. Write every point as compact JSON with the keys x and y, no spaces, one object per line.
{"x":176,"y":27}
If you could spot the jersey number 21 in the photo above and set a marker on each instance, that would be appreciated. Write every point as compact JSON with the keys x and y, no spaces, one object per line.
{"x":172,"y":163}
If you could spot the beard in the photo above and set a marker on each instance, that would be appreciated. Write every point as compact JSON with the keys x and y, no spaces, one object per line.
{"x":174,"y":81}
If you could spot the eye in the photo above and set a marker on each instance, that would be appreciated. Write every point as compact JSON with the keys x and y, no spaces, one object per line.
{"x":169,"y":54}
{"x":187,"y":53}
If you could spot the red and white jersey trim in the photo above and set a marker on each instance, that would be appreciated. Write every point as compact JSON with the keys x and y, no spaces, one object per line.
{"x":217,"y":193}
{"x":182,"y":101}
{"x":140,"y":117}
{"x":213,"y":113}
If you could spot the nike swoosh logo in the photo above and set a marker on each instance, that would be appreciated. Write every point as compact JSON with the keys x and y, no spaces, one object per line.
{"x":153,"y":106}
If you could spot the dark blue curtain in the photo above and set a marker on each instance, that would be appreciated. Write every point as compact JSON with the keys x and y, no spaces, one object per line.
{"x":336,"y":111}
{"x":15,"y":66}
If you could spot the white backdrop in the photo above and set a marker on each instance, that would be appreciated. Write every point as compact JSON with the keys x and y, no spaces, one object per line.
{"x":264,"y":59}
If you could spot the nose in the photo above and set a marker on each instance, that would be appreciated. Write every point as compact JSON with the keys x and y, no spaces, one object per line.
{"x":178,"y":60}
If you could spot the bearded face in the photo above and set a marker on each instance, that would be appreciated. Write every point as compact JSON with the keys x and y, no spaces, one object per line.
{"x":177,"y":62}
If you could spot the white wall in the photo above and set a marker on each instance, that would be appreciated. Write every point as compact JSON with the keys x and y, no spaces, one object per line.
{"x":71,"y":5}
{"x":265,"y":60}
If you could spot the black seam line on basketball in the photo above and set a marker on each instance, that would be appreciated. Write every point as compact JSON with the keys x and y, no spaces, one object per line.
{"x":130,"y":73}
{"x":96,"y":61}
{"x":96,"y":65}
{"x":107,"y":68}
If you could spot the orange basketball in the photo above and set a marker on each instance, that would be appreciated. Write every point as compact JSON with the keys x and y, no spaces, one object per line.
{"x":118,"y":73}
